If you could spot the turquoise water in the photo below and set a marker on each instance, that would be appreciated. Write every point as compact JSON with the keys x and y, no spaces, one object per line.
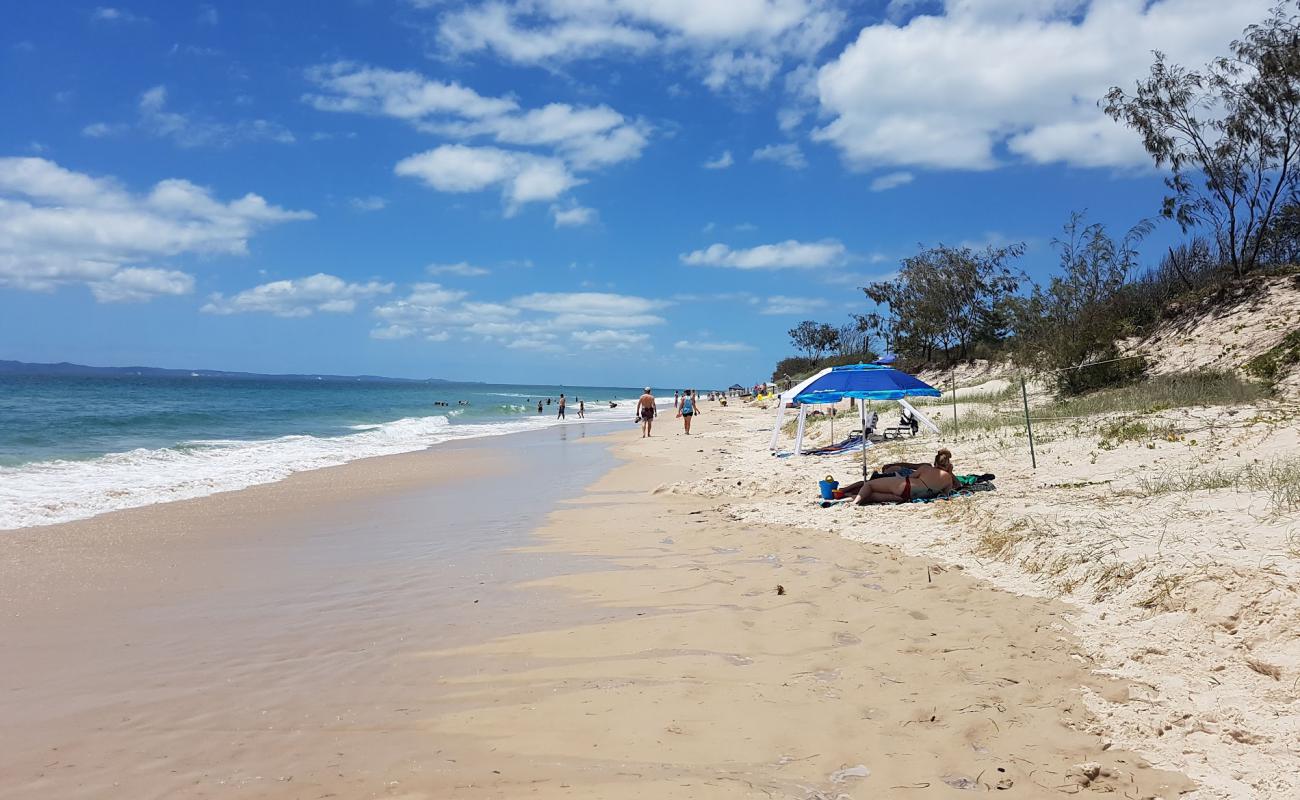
{"x":71,"y":447}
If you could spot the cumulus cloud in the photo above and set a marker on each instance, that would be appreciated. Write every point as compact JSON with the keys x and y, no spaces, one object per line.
{"x":154,"y":118}
{"x":348,"y":86}
{"x":788,"y":254}
{"x":594,"y":309}
{"x":714,"y":347}
{"x":542,"y":320}
{"x":299,"y":297}
{"x":1016,"y":77}
{"x":782,"y":304}
{"x":110,"y":14}
{"x":891,"y":181}
{"x":60,"y":227}
{"x":570,"y":138}
{"x":610,"y":339}
{"x":736,"y":44}
{"x":522,"y":177}
{"x":787,"y":154}
{"x":721,"y":162}
{"x":371,"y":203}
{"x":140,"y":284}
{"x":573,"y":217}
{"x":463,"y":269}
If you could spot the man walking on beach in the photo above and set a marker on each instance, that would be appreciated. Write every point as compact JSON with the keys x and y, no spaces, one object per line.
{"x":560,"y":414}
{"x":646,"y":412}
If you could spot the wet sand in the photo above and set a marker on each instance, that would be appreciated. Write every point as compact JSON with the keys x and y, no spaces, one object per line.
{"x":323,"y":639}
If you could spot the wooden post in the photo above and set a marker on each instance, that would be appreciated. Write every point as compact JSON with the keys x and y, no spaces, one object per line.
{"x":1024,"y":396}
{"x":954,"y":403}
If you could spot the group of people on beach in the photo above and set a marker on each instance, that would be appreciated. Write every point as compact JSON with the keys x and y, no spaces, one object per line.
{"x":685,"y":402}
{"x":563,"y":404}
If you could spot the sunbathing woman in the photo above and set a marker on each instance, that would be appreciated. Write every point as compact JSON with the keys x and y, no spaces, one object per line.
{"x":925,"y":482}
{"x":942,"y":460}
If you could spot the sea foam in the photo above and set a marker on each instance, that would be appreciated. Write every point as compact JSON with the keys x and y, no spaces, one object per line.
{"x":49,"y":492}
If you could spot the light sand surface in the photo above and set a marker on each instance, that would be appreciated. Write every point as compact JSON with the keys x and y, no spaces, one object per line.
{"x":1191,"y":595}
{"x":338,"y":644}
{"x":867,"y":674}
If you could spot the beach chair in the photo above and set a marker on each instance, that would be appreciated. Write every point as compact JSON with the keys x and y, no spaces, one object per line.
{"x":906,"y":424}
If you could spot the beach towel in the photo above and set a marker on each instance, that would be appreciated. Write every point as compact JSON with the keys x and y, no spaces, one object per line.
{"x":851,"y":443}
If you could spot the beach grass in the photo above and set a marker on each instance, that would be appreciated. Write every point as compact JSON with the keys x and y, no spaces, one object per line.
{"x":1279,"y":479}
{"x":1158,"y":393}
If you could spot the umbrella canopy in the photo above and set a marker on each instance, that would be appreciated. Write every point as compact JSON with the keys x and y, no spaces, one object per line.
{"x":864,"y":382}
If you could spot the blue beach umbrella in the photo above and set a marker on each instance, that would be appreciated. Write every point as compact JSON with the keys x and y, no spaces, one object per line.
{"x":864,"y":382}
{"x":857,"y":381}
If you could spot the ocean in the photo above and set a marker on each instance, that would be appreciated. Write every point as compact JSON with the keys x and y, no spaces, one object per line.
{"x":74,"y":447}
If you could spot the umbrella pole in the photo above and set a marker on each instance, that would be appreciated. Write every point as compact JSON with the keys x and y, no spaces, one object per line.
{"x":862,"y":415}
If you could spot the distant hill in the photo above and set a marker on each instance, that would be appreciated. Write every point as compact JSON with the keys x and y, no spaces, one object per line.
{"x":83,"y":371}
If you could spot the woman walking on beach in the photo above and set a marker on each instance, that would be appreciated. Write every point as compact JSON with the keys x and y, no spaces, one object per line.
{"x":688,"y":409}
{"x":582,"y":409}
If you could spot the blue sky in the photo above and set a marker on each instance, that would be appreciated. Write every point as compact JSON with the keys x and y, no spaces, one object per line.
{"x":562,"y":191}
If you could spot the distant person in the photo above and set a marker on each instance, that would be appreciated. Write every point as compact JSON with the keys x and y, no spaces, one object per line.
{"x":539,"y":406}
{"x":646,"y":412}
{"x":548,"y":401}
{"x":582,"y":409}
{"x":687,"y":410}
{"x":677,"y":399}
{"x":560,"y":414}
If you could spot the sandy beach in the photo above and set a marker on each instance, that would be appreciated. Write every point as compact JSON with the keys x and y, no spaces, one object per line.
{"x":311,"y":638}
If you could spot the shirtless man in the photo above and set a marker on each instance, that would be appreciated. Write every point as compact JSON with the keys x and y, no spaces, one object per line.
{"x":645,"y":410}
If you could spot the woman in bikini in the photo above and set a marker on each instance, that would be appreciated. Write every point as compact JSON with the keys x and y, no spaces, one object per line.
{"x":925,"y":481}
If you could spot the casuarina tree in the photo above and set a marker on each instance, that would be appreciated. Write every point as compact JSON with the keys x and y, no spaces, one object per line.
{"x":1229,"y":134}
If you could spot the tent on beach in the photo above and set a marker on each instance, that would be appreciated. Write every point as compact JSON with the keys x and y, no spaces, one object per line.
{"x":857,"y":381}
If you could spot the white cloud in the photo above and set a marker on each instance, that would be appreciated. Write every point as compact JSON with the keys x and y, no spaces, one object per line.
{"x":953,"y":91}
{"x":394,"y":331}
{"x":371,"y":203}
{"x":721,"y":162}
{"x":155,"y":119}
{"x":788,"y":254}
{"x":736,"y":44}
{"x":522,"y":178}
{"x":140,"y":284}
{"x":891,"y":181}
{"x":573,"y":217}
{"x":463,"y":269}
{"x":593,"y":309}
{"x":348,"y":86}
{"x":787,"y":154}
{"x":610,"y":339}
{"x":743,"y":70}
{"x":714,"y":347}
{"x":60,"y":227}
{"x":539,"y":321}
{"x":208,"y":15}
{"x":110,"y":14}
{"x":781,"y":304}
{"x":299,"y":297}
{"x":99,"y":130}
{"x":571,"y":138}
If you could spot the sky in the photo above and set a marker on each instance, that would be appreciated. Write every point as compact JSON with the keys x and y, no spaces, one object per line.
{"x":599,"y":192}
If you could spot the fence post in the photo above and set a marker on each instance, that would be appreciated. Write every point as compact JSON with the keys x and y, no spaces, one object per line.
{"x":954,"y":403}
{"x":1024,"y":396}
